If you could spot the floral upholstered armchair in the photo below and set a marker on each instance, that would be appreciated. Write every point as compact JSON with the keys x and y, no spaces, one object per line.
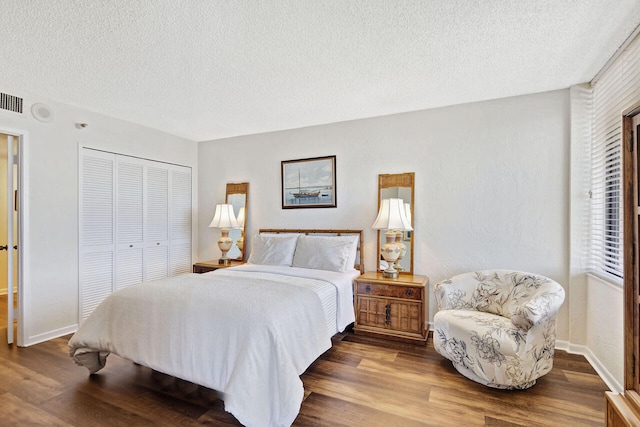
{"x":498,"y":327}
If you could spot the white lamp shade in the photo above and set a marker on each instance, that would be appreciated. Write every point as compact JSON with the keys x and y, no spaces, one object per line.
{"x":224,"y":217}
{"x":392,"y":216}
{"x":407,"y":211}
{"x":241,"y":217}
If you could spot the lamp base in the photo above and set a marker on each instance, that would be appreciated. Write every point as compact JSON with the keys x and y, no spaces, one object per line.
{"x":390,"y":253}
{"x":390,"y":274}
{"x":224,"y":243}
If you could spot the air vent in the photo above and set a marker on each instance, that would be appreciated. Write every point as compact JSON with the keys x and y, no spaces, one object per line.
{"x":10,"y":103}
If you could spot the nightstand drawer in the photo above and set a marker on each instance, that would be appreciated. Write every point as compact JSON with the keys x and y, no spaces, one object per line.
{"x":390,"y":291}
{"x":390,"y":314}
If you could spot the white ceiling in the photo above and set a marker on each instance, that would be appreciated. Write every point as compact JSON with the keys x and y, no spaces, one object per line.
{"x":206,"y":69}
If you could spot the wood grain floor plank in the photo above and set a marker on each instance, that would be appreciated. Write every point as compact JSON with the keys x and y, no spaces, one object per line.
{"x":15,"y":411}
{"x":401,"y":402}
{"x":360,"y":381}
{"x":517,"y":406}
{"x":322,"y":410}
{"x":26,"y":384}
{"x":81,"y":409}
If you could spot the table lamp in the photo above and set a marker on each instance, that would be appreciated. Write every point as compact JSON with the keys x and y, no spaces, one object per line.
{"x":391,"y":217}
{"x":224,"y":219}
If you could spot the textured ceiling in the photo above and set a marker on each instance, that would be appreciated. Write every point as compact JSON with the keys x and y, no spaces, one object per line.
{"x":205,"y":69}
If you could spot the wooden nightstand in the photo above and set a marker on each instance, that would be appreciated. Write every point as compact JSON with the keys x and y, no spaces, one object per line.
{"x":392,"y":308}
{"x":205,"y":266}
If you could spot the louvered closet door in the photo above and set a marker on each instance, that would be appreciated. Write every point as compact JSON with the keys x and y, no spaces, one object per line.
{"x":135,"y":223}
{"x":156,"y":252}
{"x":96,"y":228}
{"x":129,"y":221}
{"x":180,"y":214}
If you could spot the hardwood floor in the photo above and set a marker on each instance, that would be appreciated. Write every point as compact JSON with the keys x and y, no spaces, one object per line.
{"x":3,"y":308}
{"x":360,"y":381}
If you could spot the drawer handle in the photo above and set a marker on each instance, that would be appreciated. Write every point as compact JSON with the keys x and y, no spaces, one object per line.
{"x":409,"y":292}
{"x":387,"y":314}
{"x":367,"y":289}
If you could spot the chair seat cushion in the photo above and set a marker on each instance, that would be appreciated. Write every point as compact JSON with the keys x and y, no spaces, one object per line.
{"x":494,"y":336}
{"x":484,"y":347}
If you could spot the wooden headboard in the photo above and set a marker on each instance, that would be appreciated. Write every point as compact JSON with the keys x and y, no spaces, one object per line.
{"x":359,"y":258}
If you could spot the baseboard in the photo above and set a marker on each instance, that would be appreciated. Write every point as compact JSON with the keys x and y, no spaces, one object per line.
{"x":604,"y":373}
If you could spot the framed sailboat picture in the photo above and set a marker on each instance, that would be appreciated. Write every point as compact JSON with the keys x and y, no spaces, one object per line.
{"x":309,"y":183}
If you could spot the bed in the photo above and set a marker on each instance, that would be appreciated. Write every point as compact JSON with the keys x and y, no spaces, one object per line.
{"x":248,"y":332}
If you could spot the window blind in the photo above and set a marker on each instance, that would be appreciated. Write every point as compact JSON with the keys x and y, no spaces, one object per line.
{"x":617,"y":89}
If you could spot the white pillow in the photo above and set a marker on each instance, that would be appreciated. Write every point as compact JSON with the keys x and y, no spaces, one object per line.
{"x":273,"y":249}
{"x":333,"y":253}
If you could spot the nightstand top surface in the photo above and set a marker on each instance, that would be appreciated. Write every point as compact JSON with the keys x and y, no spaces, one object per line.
{"x":403,"y":279}
{"x":214,"y":263}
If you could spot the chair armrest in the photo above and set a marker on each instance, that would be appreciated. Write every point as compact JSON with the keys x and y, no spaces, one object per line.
{"x":456,"y":292}
{"x":538,"y":309}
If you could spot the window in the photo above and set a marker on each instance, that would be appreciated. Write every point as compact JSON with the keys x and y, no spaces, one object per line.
{"x":606,"y":191}
{"x":616,"y":90}
{"x":612,"y":210}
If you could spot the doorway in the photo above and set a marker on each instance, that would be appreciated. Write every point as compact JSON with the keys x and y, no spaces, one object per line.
{"x":9,"y":259}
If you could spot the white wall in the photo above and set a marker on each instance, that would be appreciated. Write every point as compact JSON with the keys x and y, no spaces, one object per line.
{"x":50,"y":252}
{"x":605,"y":330}
{"x":492,"y":183}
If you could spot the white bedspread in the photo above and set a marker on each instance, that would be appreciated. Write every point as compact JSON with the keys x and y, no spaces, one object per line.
{"x":343,"y":283}
{"x":249,"y":334}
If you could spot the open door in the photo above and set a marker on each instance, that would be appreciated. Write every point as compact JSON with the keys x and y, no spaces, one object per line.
{"x":9,"y":227}
{"x":11,"y":204}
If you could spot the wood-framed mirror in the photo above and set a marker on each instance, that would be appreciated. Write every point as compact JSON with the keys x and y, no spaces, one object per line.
{"x":399,"y":186}
{"x":238,"y":196}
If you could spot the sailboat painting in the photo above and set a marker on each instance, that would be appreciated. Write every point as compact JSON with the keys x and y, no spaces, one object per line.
{"x":309,"y":183}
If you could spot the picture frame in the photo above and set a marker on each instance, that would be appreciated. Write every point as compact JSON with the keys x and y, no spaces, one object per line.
{"x":309,"y":183}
